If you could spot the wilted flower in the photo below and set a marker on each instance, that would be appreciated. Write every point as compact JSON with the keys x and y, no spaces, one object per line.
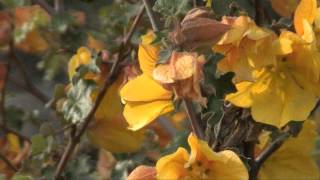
{"x":183,"y":75}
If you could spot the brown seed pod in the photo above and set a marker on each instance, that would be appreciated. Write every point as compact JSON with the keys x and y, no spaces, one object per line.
{"x":197,"y":29}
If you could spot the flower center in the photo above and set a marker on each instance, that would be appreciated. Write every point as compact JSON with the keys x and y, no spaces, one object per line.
{"x":197,"y":170}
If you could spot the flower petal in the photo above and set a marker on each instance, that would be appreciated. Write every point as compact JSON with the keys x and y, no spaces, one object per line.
{"x":148,"y":54}
{"x":140,"y":114}
{"x":279,"y":91}
{"x":114,"y":136}
{"x":293,"y":159}
{"x":225,"y":164}
{"x":143,"y":89}
{"x":306,"y":10}
{"x":172,"y":166}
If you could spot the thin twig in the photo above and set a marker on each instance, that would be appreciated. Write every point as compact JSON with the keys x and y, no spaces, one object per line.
{"x":29,"y":85}
{"x":274,"y":146}
{"x":3,"y":94}
{"x":36,"y":94}
{"x":9,"y":164}
{"x":188,"y":104}
{"x":113,"y":72}
{"x":45,"y":6}
{"x":259,"y":12}
{"x":154,"y":23}
{"x":112,"y":76}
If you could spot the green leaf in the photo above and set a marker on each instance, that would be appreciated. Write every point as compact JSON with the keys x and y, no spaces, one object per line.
{"x":164,"y":56}
{"x":81,"y":169}
{"x":233,"y":7}
{"x":39,"y":144}
{"x":58,"y":93}
{"x":172,"y":8}
{"x":221,"y":7}
{"x":61,"y":23}
{"x":79,"y":102}
{"x":247,"y":6}
{"x":46,"y":129}
{"x":160,"y":35}
{"x":222,"y":84}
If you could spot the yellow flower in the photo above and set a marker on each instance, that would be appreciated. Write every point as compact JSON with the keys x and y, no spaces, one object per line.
{"x":275,"y":97}
{"x":242,"y":46}
{"x":293,"y":159}
{"x":291,"y":80}
{"x":145,"y":99}
{"x":82,"y":57}
{"x":202,"y":163}
{"x":301,"y":52}
{"x":109,"y":128}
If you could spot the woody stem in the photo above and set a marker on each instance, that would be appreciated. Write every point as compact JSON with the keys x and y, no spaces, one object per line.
{"x":193,"y":119}
{"x":274,"y":146}
{"x":76,"y":134}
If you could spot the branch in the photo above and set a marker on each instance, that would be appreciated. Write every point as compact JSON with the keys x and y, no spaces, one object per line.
{"x":274,"y":146}
{"x":36,"y":93}
{"x":193,"y":120}
{"x":112,"y":76}
{"x":3,"y":94}
{"x":9,"y":164}
{"x":29,"y":86}
{"x":259,"y":11}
